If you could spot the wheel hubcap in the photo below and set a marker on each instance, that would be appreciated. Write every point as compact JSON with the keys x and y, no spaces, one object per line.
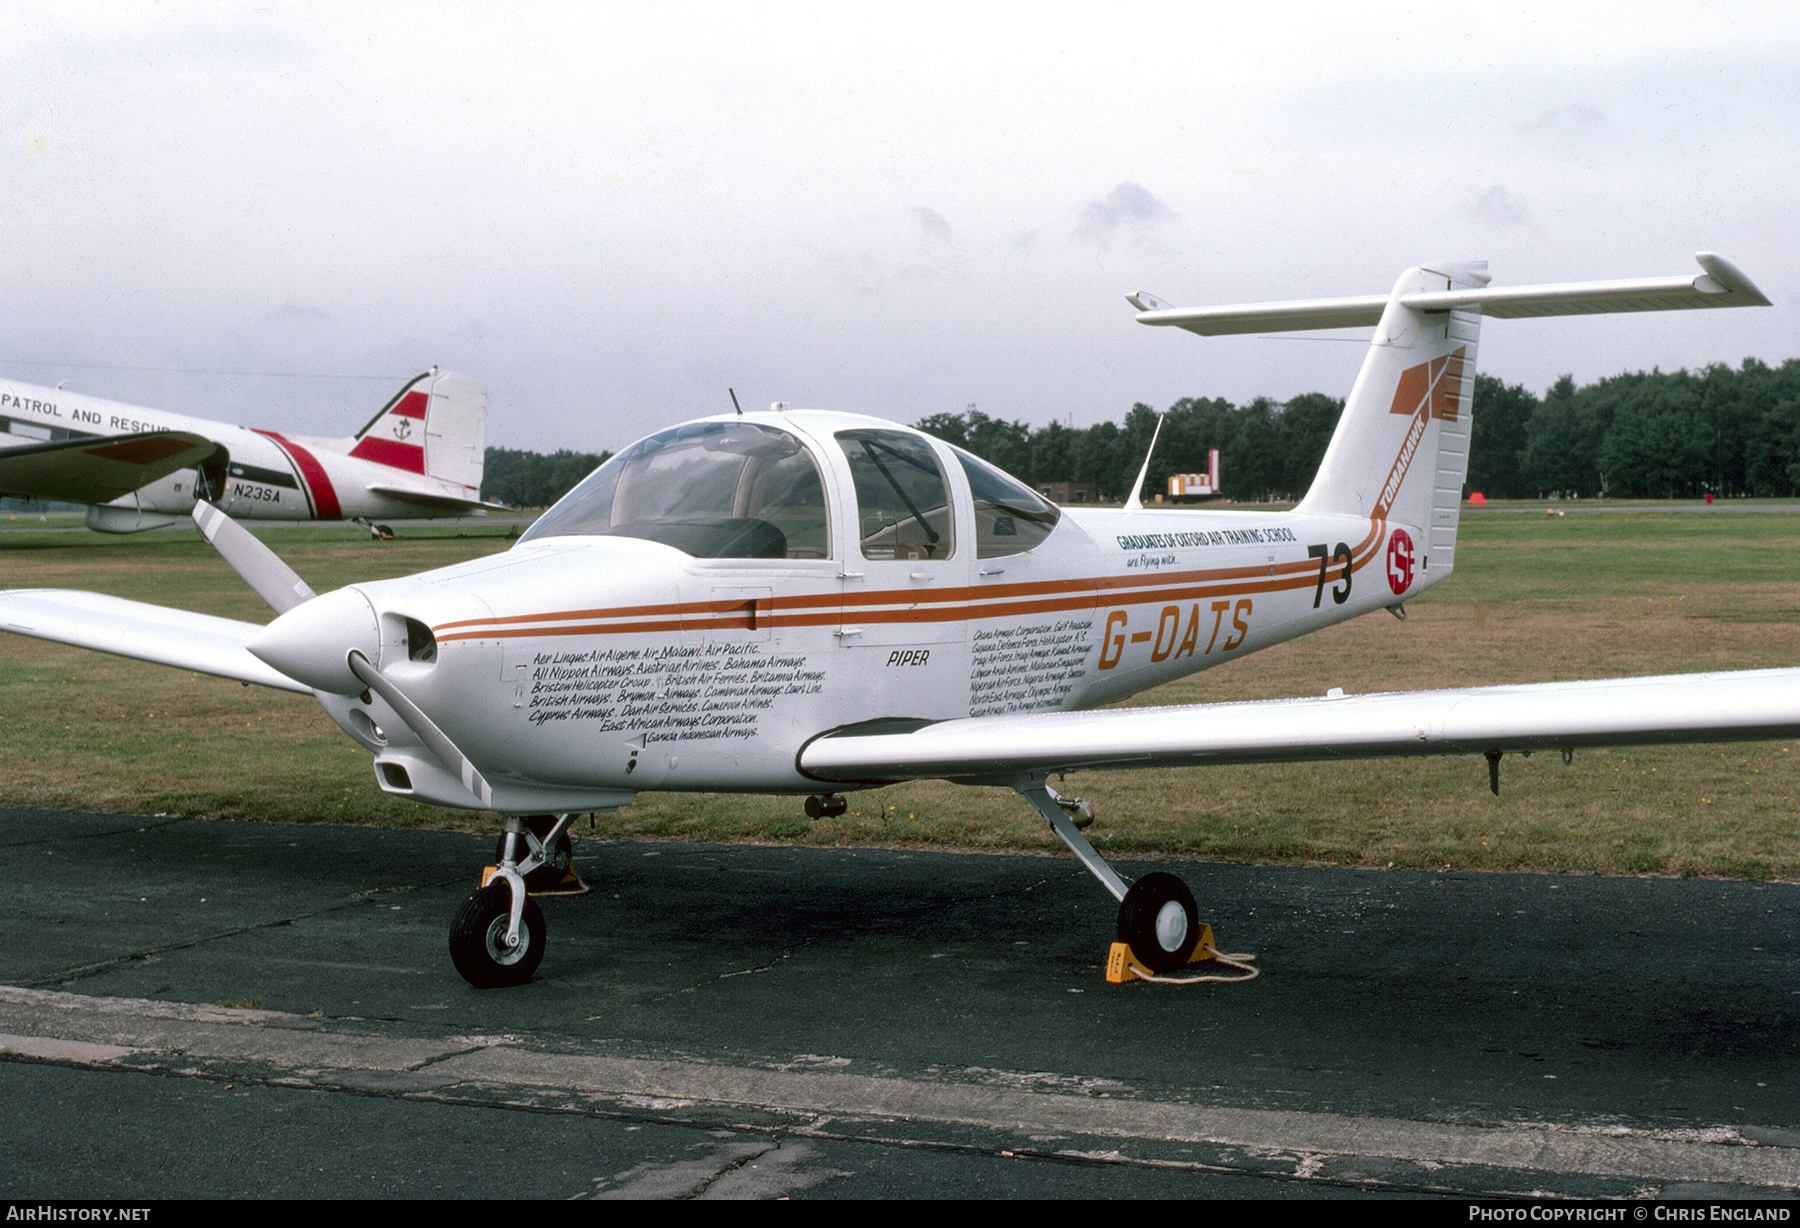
{"x":498,"y":950}
{"x":1171,"y":926}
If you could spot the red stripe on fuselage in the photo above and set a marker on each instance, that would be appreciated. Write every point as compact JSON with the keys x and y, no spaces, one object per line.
{"x":318,"y":484}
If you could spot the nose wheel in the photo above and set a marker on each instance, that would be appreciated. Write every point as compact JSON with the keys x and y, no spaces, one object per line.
{"x":497,"y":938}
{"x":482,"y":945}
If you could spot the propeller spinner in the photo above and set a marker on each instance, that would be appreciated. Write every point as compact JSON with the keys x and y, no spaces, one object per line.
{"x":330,"y":642}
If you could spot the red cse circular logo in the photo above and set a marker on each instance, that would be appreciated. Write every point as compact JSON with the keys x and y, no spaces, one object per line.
{"x":1399,"y":561}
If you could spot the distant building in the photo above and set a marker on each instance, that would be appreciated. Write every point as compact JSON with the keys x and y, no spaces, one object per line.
{"x":1067,"y":492}
{"x":1187,"y":486}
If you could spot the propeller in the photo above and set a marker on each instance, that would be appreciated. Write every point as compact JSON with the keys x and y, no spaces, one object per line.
{"x":328,"y":642}
{"x":434,"y":738}
{"x":274,"y":581}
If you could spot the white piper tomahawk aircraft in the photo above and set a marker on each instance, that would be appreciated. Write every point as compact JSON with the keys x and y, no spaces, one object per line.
{"x":805,"y":602}
{"x":136,"y":468}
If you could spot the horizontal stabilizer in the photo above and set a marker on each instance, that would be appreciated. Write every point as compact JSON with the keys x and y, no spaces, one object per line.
{"x":1724,"y":707}
{"x":1720,"y":284}
{"x":200,"y":642}
{"x":98,"y":470}
{"x":437,"y":502}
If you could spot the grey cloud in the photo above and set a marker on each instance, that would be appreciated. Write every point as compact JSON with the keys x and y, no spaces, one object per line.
{"x":1573,"y":117}
{"x":1497,"y":207}
{"x":290,"y":316}
{"x":1129,"y":204}
{"x":933,"y":223}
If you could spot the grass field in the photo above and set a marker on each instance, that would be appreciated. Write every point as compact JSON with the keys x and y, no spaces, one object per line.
{"x":1534,"y":598}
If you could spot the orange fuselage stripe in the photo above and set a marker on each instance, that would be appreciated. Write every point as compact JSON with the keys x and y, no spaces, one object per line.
{"x":894,"y":606}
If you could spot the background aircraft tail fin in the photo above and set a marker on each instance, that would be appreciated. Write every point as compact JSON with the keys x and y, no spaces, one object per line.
{"x":435,"y":427}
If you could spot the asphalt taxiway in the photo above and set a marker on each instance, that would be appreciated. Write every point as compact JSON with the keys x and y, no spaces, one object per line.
{"x":237,"y":1009}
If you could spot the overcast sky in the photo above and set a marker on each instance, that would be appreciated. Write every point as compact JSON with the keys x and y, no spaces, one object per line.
{"x":609,"y":213}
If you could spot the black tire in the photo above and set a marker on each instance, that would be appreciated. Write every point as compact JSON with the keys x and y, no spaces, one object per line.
{"x":478,"y":933}
{"x":1158,"y":920}
{"x":562,"y":854}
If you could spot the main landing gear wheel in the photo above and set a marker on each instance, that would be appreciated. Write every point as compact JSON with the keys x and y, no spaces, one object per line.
{"x":561,"y":854}
{"x":1158,"y":920}
{"x":478,"y":939}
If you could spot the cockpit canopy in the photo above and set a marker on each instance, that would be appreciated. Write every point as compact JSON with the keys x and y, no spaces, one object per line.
{"x":747,"y":490}
{"x":715,"y":490}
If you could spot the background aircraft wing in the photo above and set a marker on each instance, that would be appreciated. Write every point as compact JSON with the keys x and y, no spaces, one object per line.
{"x":99,"y":469}
{"x":1723,"y":707}
{"x":200,"y":642}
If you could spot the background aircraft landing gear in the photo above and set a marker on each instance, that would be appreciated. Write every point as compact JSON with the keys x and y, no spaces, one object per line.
{"x":478,"y":945}
{"x":1159,"y":922}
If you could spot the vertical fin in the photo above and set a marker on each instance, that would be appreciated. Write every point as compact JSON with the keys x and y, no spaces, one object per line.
{"x":436,"y":427}
{"x":1401,"y":449}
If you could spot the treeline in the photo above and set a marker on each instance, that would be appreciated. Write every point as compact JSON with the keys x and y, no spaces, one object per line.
{"x":1657,"y":435}
{"x":1677,"y":435}
{"x":532,"y":479}
{"x":1266,"y":450}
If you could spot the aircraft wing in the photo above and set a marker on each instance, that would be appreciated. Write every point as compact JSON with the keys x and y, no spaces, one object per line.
{"x":435,"y":501}
{"x":98,"y":469}
{"x":1720,"y":284}
{"x":200,"y":642}
{"x":1722,"y":707}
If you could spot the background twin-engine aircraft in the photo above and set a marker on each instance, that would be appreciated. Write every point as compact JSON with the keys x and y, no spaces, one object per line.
{"x":137,"y":468}
{"x":808,"y":603}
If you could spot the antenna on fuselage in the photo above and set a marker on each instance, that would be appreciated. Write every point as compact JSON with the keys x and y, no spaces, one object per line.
{"x":734,"y":402}
{"x":1136,"y":502}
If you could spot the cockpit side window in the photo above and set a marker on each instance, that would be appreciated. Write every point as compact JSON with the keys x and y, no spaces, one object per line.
{"x":1010,"y":517}
{"x":902,"y":501}
{"x":715,"y":490}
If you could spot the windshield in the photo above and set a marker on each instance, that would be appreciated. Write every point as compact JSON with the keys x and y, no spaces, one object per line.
{"x":716,"y":490}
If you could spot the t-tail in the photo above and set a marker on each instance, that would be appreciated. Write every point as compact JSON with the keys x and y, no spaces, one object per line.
{"x":1401,"y":449}
{"x":1400,"y":454}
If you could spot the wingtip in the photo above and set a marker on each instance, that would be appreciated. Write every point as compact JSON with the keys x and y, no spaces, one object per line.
{"x":1727,"y":278}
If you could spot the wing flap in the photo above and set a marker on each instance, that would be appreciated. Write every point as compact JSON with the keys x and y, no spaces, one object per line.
{"x":100,"y":469}
{"x":200,"y":642}
{"x":1720,"y":284}
{"x":1723,"y":707}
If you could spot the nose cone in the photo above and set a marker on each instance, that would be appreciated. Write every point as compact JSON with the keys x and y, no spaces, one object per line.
{"x":311,"y":643}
